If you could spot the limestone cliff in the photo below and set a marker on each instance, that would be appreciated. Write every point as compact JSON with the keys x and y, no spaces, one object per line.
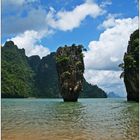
{"x":131,"y":68}
{"x":70,"y":68}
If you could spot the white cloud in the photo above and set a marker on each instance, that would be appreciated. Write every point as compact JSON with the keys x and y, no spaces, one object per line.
{"x":109,"y":50}
{"x":105,"y":3}
{"x":17,"y":2}
{"x":29,"y":40}
{"x":109,"y":22}
{"x":13,"y":2}
{"x":34,"y":17}
{"x":104,"y":56}
{"x":68,"y":20}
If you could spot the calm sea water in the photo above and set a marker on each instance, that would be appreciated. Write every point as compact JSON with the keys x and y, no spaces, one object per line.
{"x":53,"y":119}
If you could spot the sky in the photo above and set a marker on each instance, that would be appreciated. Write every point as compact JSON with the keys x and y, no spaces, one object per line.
{"x":103,"y":27}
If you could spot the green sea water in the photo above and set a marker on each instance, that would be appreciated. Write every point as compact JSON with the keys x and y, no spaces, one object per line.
{"x":53,"y":119}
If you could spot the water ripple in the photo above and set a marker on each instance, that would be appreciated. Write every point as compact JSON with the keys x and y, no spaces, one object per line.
{"x":52,"y":119}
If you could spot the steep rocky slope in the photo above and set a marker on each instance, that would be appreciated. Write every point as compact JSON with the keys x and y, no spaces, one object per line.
{"x":131,"y":68}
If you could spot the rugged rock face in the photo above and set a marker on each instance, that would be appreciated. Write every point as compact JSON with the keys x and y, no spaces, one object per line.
{"x":70,"y":68}
{"x":131,"y":68}
{"x":46,"y":79}
{"x":34,"y":62}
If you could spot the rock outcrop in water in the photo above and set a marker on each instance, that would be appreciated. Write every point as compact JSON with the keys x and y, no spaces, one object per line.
{"x":70,"y":68}
{"x":131,"y":68}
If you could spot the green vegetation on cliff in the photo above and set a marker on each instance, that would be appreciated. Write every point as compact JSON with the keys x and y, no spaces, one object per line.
{"x":131,"y":58}
{"x":16,"y":74}
{"x":24,"y":76}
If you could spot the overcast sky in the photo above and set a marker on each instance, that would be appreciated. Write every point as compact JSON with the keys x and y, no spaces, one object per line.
{"x":102,"y":26}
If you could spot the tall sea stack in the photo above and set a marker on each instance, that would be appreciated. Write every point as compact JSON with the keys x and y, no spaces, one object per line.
{"x":131,"y":68}
{"x":70,"y":69}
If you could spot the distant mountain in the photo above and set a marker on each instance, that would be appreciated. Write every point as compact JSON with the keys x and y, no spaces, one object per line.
{"x":113,"y":95}
{"x":24,"y":76}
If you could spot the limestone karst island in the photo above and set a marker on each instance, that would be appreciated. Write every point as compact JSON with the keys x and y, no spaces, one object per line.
{"x":70,"y":68}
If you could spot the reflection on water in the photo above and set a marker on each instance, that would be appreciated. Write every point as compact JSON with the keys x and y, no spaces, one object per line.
{"x":52,"y":119}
